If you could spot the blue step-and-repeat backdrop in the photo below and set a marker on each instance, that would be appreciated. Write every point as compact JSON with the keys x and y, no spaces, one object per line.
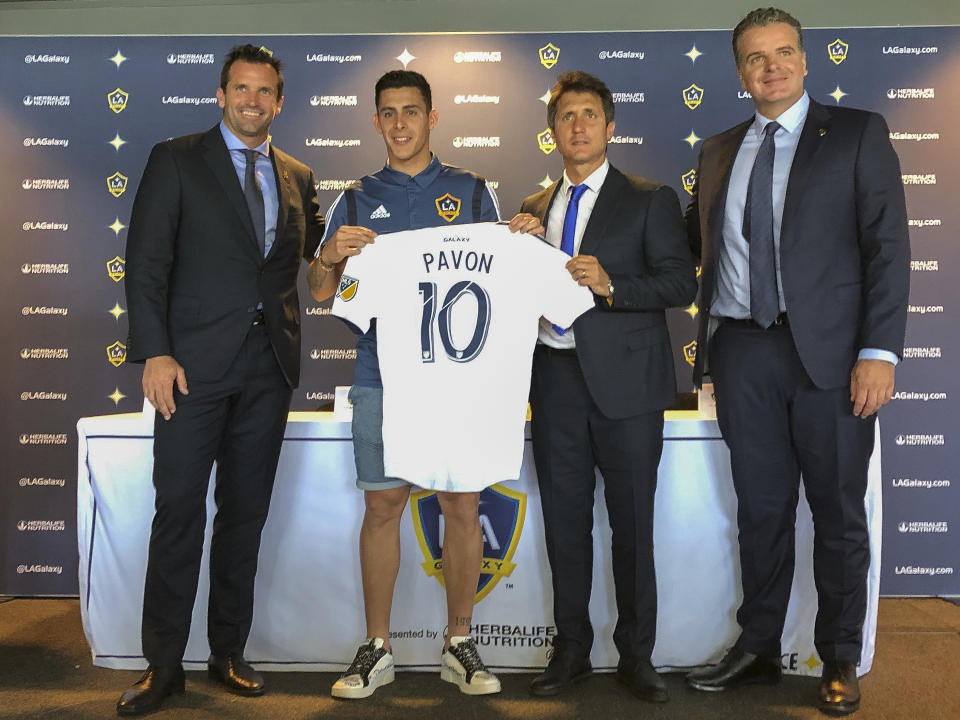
{"x":80,"y":115}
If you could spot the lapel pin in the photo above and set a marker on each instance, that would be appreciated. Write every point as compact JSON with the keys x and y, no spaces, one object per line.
{"x":822,"y":131}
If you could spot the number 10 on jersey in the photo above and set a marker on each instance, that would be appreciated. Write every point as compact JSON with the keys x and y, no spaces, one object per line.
{"x":428,"y":292}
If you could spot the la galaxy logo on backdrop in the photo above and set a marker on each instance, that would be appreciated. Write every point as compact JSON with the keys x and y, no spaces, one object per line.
{"x":546,"y":142}
{"x":549,"y":54}
{"x":693,"y":96}
{"x":502,"y":511}
{"x":837,"y":51}
{"x":116,"y":268}
{"x":117,"y":184}
{"x":117,"y":100}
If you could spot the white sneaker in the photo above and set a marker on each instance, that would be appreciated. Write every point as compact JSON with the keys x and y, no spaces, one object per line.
{"x":371,"y":668}
{"x":461,"y":664}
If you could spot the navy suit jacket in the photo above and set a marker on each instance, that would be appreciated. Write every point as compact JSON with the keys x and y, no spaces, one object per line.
{"x":194,"y":270}
{"x":844,"y":243}
{"x":636,"y":233}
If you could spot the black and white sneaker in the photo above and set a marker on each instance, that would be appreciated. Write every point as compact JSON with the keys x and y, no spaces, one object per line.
{"x":461,"y":665}
{"x":372,"y":667}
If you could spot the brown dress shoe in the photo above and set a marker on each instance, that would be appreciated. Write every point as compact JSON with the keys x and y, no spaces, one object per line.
{"x":149,"y":692}
{"x":839,"y":689}
{"x":235,"y":672}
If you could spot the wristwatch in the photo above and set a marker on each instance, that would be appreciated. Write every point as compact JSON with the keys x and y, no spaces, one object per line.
{"x":610,"y":287}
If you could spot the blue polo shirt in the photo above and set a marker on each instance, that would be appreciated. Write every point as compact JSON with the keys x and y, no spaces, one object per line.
{"x":391,"y":201}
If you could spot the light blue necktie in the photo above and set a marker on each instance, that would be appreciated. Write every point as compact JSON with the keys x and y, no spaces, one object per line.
{"x":570,"y":228}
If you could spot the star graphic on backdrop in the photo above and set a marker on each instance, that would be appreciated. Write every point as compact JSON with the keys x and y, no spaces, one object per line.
{"x":118,"y":59}
{"x":116,"y":226}
{"x":405,"y":57}
{"x":116,"y":311}
{"x":811,"y":662}
{"x":837,"y":94}
{"x":693,"y":54}
{"x":692,"y":310}
{"x":692,"y":139}
{"x":117,"y":142}
{"x":545,"y":98}
{"x":546,"y":182}
{"x":116,"y":396}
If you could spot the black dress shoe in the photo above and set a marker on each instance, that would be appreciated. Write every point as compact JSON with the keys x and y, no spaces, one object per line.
{"x":564,"y":670}
{"x":235,"y":672}
{"x":737,"y":668}
{"x":644,"y":682}
{"x":839,"y":689}
{"x":151,"y":690}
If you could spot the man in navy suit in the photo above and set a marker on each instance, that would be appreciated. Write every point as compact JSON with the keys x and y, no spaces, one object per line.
{"x":220,"y":225}
{"x":799,"y":219}
{"x":599,"y":389}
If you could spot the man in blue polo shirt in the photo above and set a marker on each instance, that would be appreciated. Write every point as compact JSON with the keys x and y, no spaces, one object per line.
{"x":412,"y":191}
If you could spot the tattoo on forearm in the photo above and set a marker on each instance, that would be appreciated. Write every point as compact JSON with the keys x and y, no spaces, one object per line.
{"x":463,"y":620}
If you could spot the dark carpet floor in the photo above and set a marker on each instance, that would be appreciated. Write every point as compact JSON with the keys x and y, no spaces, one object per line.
{"x":46,"y":672}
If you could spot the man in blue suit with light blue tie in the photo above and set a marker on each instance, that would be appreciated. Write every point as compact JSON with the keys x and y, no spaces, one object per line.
{"x":799,"y":220}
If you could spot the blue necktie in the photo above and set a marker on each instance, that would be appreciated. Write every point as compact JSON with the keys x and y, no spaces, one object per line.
{"x":758,"y":232}
{"x":570,"y":229}
{"x":251,"y":191}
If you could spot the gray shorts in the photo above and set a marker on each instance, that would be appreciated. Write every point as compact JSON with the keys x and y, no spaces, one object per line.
{"x":368,"y":439}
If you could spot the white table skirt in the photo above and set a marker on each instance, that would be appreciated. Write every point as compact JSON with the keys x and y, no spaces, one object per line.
{"x":309,"y":608}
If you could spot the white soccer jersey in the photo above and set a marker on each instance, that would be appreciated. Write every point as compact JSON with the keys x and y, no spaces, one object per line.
{"x":457,"y":312}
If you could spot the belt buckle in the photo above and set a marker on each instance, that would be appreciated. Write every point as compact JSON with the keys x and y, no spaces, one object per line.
{"x":781,"y":319}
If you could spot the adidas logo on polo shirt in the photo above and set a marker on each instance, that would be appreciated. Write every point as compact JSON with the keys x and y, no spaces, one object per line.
{"x":380,"y":213}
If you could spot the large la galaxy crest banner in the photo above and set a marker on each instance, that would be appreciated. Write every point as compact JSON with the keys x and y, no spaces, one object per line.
{"x":82,"y":114}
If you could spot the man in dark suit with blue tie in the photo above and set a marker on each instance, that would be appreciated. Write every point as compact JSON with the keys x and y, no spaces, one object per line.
{"x":599,"y":389}
{"x":220,"y":225}
{"x":799,"y":220}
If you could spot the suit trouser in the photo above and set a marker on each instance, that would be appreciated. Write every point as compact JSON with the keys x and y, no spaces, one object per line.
{"x":571,"y":438}
{"x":238,"y":421}
{"x":779,"y":425}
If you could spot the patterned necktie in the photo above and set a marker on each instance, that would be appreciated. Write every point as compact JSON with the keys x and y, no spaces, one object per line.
{"x":251,"y":191}
{"x":570,"y":229}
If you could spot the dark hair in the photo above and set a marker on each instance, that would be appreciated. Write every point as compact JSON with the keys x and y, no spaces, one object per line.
{"x":403,"y":79}
{"x":579,"y":81}
{"x":761,"y":17}
{"x":251,"y":54}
